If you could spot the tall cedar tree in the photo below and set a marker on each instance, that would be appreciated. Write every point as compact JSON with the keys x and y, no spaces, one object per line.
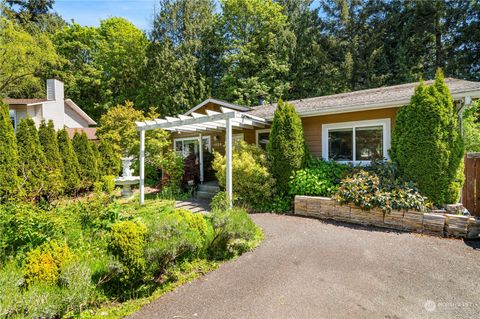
{"x":427,"y":145}
{"x":286,"y":147}
{"x":9,"y":182}
{"x":110,"y":162}
{"x":71,"y":168}
{"x":32,"y":172}
{"x":54,"y":163}
{"x":87,"y":160}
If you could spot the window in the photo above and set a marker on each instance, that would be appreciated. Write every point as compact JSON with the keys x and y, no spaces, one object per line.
{"x":358,"y":142}
{"x":188,"y":145}
{"x":237,"y":137}
{"x":13,"y":118}
{"x":262,"y":138}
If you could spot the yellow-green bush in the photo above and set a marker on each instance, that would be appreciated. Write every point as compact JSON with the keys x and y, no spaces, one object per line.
{"x":45,"y":263}
{"x":127,"y":243}
{"x":253,"y":183}
{"x":108,"y":183}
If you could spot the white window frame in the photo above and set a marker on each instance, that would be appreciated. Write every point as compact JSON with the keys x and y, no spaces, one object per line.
{"x":385,"y":123}
{"x":14,"y":114}
{"x":238,"y":137}
{"x":193,"y":138}
{"x":257,"y":132}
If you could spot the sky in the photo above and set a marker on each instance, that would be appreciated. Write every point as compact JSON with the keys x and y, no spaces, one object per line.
{"x":90,"y":12}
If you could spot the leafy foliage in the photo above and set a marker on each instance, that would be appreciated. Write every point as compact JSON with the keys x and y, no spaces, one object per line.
{"x":9,"y":160}
{"x":234,"y":233}
{"x":427,"y":145}
{"x":319,"y":179}
{"x":253,"y":182}
{"x":44,"y":263}
{"x":286,"y":149}
{"x":366,"y":190}
{"x":471,"y":128}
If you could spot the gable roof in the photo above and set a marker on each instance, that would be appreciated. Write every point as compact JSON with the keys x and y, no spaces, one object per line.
{"x":383,"y":97}
{"x":231,"y":106}
{"x":24,"y":101}
{"x":79,"y":111}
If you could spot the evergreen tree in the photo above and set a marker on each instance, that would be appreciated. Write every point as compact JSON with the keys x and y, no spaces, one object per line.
{"x":71,"y":167}
{"x":32,"y":172}
{"x":88,"y":169}
{"x":110,"y":161}
{"x":286,"y":146}
{"x":54,"y":164}
{"x":427,"y":145}
{"x":9,"y":182}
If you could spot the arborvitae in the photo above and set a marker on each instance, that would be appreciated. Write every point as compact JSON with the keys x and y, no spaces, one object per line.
{"x":9,"y":182}
{"x":86,"y":158}
{"x":32,"y":170}
{"x":110,"y":160}
{"x":427,"y":145}
{"x":286,"y":146}
{"x":54,"y":164}
{"x":71,"y":167}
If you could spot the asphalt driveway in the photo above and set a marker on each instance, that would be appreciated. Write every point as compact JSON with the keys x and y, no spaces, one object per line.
{"x":307,"y":268}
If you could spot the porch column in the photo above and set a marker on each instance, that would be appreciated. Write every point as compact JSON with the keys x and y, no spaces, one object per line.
{"x":200,"y":155}
{"x":142,"y":167}
{"x":228,"y":154}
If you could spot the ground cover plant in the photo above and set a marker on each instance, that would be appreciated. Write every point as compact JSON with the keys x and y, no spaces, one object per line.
{"x":94,"y":256}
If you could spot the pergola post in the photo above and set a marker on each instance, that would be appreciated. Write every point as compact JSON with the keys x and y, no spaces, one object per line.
{"x":200,"y":155}
{"x":142,"y":167}
{"x":228,"y":154}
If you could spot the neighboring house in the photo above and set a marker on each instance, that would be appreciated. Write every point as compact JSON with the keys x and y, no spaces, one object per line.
{"x":63,"y":112}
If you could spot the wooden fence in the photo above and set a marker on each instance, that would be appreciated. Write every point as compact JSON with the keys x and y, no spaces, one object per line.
{"x":471,"y":188}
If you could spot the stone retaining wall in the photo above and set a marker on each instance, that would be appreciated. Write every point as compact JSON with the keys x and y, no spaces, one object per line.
{"x":438,"y":224}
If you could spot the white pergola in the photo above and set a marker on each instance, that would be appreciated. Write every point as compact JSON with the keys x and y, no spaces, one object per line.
{"x":226,"y":120}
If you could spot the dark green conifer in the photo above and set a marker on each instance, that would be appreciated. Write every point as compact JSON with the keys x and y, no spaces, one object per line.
{"x":9,"y":182}
{"x":54,"y":163}
{"x":110,"y":161}
{"x":86,"y":158}
{"x":71,"y":168}
{"x":32,"y":172}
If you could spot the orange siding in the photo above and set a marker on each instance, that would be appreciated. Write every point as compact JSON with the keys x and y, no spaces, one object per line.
{"x":312,"y":127}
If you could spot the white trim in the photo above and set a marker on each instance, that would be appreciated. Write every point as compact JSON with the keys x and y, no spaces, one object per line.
{"x":235,"y":107}
{"x":266,"y":130}
{"x":194,"y":138}
{"x":79,"y":111}
{"x":238,"y":136}
{"x":385,"y":123}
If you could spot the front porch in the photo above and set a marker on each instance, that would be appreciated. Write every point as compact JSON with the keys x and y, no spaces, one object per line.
{"x":196,"y":133}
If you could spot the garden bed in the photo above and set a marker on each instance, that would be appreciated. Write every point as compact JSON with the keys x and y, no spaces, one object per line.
{"x":437,"y":224}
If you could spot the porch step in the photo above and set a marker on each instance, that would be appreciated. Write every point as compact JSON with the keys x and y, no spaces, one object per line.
{"x":205,"y":195}
{"x":208,"y":188}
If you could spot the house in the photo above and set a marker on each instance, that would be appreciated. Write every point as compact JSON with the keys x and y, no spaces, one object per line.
{"x":63,"y":112}
{"x":350,"y":127}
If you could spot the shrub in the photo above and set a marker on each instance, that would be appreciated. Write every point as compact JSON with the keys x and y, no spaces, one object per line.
{"x":9,"y":181}
{"x":54,"y":163}
{"x":221,"y":201}
{"x":252,"y":182}
{"x":71,"y":167}
{"x":108,"y":183}
{"x":175,"y":235}
{"x":88,"y":169}
{"x":321,"y":178}
{"x":110,"y":161}
{"x":277,"y":204}
{"x":24,"y":227}
{"x":471,"y":128}
{"x":366,"y":190}
{"x":234,"y":233}
{"x":427,"y":145}
{"x":127,"y":244}
{"x":32,"y":171}
{"x":44,"y":263}
{"x":286,"y":147}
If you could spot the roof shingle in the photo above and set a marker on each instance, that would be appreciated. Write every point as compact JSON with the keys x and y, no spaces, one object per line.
{"x":396,"y":95}
{"x":23,"y":101}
